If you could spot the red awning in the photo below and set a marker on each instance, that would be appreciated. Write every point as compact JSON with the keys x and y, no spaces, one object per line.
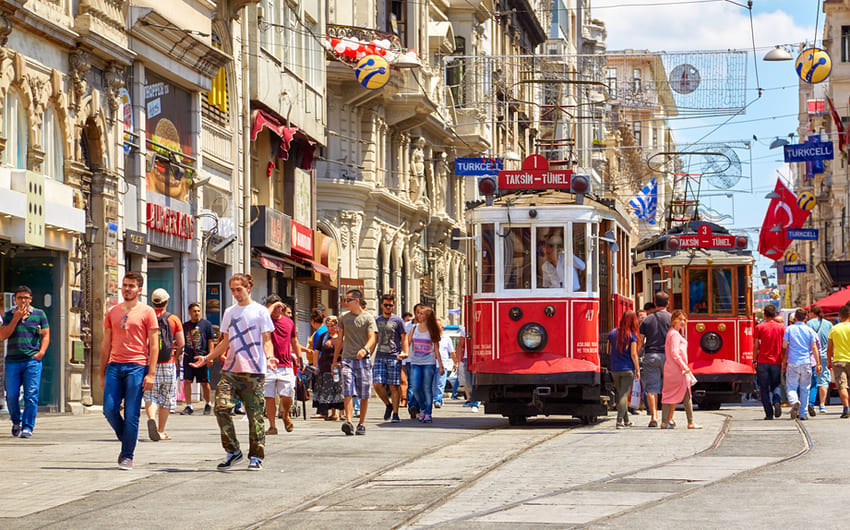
{"x":261,"y":118}
{"x":272,"y":263}
{"x":318,"y":267}
{"x":831,"y":303}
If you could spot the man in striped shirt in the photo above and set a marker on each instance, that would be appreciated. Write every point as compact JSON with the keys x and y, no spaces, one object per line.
{"x":28,"y":336}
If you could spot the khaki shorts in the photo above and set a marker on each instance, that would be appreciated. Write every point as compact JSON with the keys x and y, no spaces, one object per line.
{"x":841,"y":375}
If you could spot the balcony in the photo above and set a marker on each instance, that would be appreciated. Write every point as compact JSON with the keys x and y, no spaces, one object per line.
{"x":349,"y":44}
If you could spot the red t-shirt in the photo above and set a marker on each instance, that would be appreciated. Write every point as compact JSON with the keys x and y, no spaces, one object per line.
{"x":130,"y":342}
{"x":768,"y":335}
{"x":284,"y":329}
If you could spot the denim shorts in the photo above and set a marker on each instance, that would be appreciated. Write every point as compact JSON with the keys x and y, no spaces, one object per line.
{"x":652,"y":372}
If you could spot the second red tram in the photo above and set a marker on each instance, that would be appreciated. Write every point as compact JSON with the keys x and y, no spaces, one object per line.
{"x":708,"y":273}
{"x":550,"y":276}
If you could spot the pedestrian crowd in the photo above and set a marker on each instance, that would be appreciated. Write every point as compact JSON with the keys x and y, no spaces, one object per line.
{"x":257,"y":361}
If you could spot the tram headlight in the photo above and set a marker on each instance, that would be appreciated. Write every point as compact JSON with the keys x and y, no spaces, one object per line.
{"x":532,"y":337}
{"x":711,"y":342}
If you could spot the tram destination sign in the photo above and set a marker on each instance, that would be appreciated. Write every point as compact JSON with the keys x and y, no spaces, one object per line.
{"x":805,"y":234}
{"x":535,"y":175}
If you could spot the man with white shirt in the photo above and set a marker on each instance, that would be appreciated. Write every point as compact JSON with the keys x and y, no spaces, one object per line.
{"x":447,"y":353}
{"x":553,"y":265}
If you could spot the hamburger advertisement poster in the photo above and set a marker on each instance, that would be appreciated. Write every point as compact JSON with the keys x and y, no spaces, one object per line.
{"x":169,"y":136}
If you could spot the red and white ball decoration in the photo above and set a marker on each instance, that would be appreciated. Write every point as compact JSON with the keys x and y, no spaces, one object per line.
{"x":351,"y":50}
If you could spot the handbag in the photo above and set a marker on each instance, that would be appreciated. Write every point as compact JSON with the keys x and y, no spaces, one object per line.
{"x":692,"y":379}
{"x":302,"y":393}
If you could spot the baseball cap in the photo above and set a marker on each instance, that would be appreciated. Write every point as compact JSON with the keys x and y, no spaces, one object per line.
{"x":159,"y":296}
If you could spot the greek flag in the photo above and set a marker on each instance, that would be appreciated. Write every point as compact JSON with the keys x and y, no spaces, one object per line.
{"x":646,"y":202}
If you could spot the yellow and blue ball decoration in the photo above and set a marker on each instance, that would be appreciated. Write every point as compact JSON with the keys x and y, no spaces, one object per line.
{"x":373,"y":72}
{"x":790,"y":255}
{"x":813,"y":65}
{"x":806,"y":201}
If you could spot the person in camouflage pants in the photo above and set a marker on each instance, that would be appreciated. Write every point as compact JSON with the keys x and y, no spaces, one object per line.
{"x":248,"y":388}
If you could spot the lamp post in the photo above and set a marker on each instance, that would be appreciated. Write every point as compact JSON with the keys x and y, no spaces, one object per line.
{"x":86,"y":318}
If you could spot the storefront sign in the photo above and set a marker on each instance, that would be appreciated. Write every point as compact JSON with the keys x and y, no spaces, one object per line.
{"x":805,"y":234}
{"x":478,"y":166}
{"x":112,"y":244}
{"x":326,"y":253}
{"x":271,"y":230}
{"x":302,"y":240}
{"x":135,"y":242}
{"x":168,"y":221}
{"x":809,"y":152}
{"x":789,"y":269}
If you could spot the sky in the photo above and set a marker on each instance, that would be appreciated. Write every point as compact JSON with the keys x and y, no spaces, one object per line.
{"x":679,"y":25}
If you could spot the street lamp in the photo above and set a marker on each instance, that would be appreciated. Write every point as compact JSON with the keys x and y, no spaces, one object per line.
{"x":778,"y":54}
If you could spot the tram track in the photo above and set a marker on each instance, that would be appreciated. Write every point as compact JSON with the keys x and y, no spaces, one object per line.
{"x":594,"y":485}
{"x":375,"y":476}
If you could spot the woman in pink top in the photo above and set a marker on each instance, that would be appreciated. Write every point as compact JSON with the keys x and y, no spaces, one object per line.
{"x":677,"y":374}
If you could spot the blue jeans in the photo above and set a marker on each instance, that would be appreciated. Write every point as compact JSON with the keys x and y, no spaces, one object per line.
{"x":28,"y":375}
{"x":440,"y":385}
{"x":769,"y":378}
{"x":798,"y":376}
{"x":124,"y":383}
{"x":411,"y":398}
{"x":454,"y":387}
{"x":422,"y":382}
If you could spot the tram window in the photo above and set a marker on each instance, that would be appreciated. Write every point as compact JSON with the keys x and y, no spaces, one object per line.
{"x":517,"y":255}
{"x":697,"y":291}
{"x":594,"y":231}
{"x":676,"y":290}
{"x":488,"y":271}
{"x":550,"y":257}
{"x":722,"y":290}
{"x":579,"y":257}
{"x":743,"y":278}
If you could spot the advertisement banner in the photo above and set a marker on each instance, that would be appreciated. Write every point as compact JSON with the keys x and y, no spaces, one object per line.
{"x":169,"y":134}
{"x":479,"y":165}
{"x":213,"y":303}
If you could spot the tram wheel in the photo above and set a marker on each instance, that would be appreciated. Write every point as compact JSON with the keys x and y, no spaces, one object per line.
{"x":709,"y":405}
{"x":588,"y":420}
{"x":517,"y":420}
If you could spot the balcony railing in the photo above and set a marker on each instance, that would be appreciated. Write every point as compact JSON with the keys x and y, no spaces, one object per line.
{"x":349,"y":43}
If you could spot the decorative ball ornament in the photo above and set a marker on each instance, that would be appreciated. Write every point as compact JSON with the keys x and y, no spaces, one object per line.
{"x":791,"y":255}
{"x":373,"y":72}
{"x":806,"y":201}
{"x":813,"y":65}
{"x":684,"y":78}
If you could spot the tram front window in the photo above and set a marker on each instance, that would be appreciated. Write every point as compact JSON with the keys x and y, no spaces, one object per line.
{"x":579,"y":257}
{"x":517,"y":256}
{"x":722,"y":290}
{"x":550,"y":257}
{"x":698,"y":291}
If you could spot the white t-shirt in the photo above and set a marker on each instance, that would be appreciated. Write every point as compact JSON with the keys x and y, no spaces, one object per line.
{"x":245,"y":325}
{"x":446,"y":349}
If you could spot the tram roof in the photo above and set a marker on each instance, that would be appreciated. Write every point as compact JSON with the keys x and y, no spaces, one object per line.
{"x":658,"y":243}
{"x":554,"y":198}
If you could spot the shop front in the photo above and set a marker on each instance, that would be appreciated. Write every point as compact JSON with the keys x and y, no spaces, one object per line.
{"x":169,"y":236}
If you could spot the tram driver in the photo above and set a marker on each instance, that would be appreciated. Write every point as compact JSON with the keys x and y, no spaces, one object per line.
{"x":552,"y":271}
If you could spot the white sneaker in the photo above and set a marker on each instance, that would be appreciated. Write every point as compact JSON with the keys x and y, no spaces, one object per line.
{"x":474,"y":408}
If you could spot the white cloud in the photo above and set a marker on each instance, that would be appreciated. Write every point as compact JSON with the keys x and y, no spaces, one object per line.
{"x":710,"y":26}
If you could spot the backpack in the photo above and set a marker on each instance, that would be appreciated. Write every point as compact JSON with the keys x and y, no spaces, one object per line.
{"x":166,"y":337}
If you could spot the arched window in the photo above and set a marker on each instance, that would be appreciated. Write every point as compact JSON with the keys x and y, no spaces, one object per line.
{"x":15,"y":131}
{"x":54,"y":150}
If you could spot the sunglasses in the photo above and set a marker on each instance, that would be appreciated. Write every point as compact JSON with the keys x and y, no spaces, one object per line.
{"x":388,"y":305}
{"x":352,"y":299}
{"x":124,"y":322}
{"x":331,"y":321}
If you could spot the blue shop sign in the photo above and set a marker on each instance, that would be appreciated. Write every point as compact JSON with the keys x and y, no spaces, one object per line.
{"x":809,"y":152}
{"x":804,"y":234}
{"x":790,"y":269}
{"x":478,"y":166}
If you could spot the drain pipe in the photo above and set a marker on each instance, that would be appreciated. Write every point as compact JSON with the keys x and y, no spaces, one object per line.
{"x":246,"y":148}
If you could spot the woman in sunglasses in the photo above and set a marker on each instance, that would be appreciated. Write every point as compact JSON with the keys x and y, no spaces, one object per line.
{"x":329,"y":398}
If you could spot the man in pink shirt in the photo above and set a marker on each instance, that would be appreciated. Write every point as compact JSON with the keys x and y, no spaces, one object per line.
{"x":281,"y":380}
{"x":128,"y":358}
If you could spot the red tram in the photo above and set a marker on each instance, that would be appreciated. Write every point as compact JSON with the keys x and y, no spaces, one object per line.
{"x":708,"y":273}
{"x":548,"y":279}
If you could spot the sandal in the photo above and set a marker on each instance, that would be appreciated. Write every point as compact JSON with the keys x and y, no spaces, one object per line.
{"x":653,"y":423}
{"x":668,"y":426}
{"x":620,"y":425}
{"x":164,"y":436}
{"x":694,"y":426}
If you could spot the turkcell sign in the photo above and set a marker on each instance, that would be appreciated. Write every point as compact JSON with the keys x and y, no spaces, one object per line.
{"x":535,"y":179}
{"x":809,"y":152}
{"x":790,"y":269}
{"x":478,"y":166}
{"x":805,"y":234}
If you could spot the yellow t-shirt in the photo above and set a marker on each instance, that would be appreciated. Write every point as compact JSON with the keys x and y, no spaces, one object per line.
{"x":840,"y":337}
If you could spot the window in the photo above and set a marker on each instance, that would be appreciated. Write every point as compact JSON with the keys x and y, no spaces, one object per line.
{"x":488,"y":272}
{"x":550,"y":257}
{"x":655,"y":137}
{"x":845,"y":44}
{"x":455,"y":72}
{"x":743,"y":289}
{"x":315,"y":59}
{"x":636,"y":131}
{"x":397,"y":19}
{"x":517,"y":257}
{"x":15,"y":131}
{"x":51,"y":142}
{"x":612,"y":82}
{"x":579,"y":262}
{"x":697,"y":291}
{"x":721,"y":291}
{"x":636,"y":80}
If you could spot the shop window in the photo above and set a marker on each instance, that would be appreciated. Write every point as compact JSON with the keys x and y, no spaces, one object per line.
{"x":517,"y":256}
{"x":54,"y":151}
{"x":15,"y":131}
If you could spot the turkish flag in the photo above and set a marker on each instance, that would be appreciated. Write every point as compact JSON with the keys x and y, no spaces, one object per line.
{"x":782,"y":213}
{"x":839,"y":126}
